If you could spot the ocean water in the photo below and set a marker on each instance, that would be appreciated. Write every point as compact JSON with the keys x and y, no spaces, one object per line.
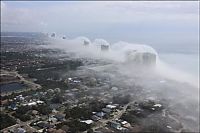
{"x":188,"y":63}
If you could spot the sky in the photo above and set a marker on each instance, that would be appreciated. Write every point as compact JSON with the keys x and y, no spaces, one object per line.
{"x":164,"y":25}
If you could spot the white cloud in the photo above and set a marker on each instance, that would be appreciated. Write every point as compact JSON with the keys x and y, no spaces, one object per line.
{"x":116,"y":12}
{"x":73,"y":14}
{"x":174,"y":23}
{"x":22,"y":19}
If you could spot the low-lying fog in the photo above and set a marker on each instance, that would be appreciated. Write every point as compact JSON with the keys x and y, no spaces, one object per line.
{"x":158,"y":81}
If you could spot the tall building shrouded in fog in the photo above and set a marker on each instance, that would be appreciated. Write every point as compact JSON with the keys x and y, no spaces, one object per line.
{"x":103,"y":44}
{"x":86,"y":43}
{"x":104,"y":47}
{"x":53,"y":35}
{"x":64,"y":37}
{"x":141,"y":58}
{"x":84,"y":40}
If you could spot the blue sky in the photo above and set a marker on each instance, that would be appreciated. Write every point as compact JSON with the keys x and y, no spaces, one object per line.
{"x":164,"y":25}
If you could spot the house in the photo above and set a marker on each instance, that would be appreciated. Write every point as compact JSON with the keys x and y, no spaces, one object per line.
{"x":100,"y":114}
{"x":74,"y":89}
{"x":39,"y":102}
{"x":32,"y":103}
{"x":114,"y":89}
{"x":54,"y":105}
{"x":52,"y":119}
{"x":106,"y":110}
{"x":13,"y":106}
{"x":54,"y":111}
{"x":87,"y":121}
{"x":40,"y":131}
{"x":76,"y":81}
{"x":125,"y":124}
{"x":19,"y":97}
{"x":20,"y":130}
{"x":59,"y":117}
{"x":34,"y":112}
{"x":115,"y":125}
{"x":157,"y":105}
{"x":44,"y":125}
{"x":111,"y":106}
{"x":95,"y":118}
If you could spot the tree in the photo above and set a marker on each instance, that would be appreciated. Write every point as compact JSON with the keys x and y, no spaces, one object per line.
{"x":90,"y":131}
{"x":121,"y":99}
{"x":96,"y":106}
{"x":78,"y":112}
{"x":43,"y":109}
{"x":76,"y":126}
{"x":129,"y":118}
{"x":67,"y":113}
{"x":6,"y":121}
{"x":57,"y":99}
{"x":23,"y":110}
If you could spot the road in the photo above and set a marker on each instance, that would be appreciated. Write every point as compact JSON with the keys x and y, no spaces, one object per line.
{"x":31,"y":84}
{"x":26,"y":125}
{"x":117,"y":115}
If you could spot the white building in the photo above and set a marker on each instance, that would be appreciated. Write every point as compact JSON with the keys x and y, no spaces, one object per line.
{"x":102,"y":44}
{"x":87,"y":121}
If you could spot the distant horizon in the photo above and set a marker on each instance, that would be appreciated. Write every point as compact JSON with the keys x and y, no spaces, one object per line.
{"x":168,"y":25}
{"x":159,"y":50}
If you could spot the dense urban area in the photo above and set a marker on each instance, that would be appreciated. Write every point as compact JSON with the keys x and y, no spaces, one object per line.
{"x":50,"y":90}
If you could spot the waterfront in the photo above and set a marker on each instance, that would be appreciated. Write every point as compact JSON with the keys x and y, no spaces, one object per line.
{"x":11,"y":87}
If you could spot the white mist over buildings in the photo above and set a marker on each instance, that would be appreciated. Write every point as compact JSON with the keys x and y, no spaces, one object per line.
{"x":53,"y":35}
{"x":136,"y":56}
{"x":102,"y":44}
{"x":138,"y":65}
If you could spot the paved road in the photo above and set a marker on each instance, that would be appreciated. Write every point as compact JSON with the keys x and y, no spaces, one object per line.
{"x":31,"y":84}
{"x":117,"y":115}
{"x":20,"y":123}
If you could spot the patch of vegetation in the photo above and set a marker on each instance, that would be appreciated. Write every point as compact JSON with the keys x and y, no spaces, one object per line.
{"x":149,"y":106}
{"x":121,"y":99}
{"x":57,"y":99}
{"x":23,"y":117}
{"x":132,"y":119}
{"x":74,"y":126}
{"x":21,"y":113}
{"x":6,"y":121}
{"x":78,"y":112}
{"x":43,"y":109}
{"x":54,"y":73}
{"x":96,"y":106}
